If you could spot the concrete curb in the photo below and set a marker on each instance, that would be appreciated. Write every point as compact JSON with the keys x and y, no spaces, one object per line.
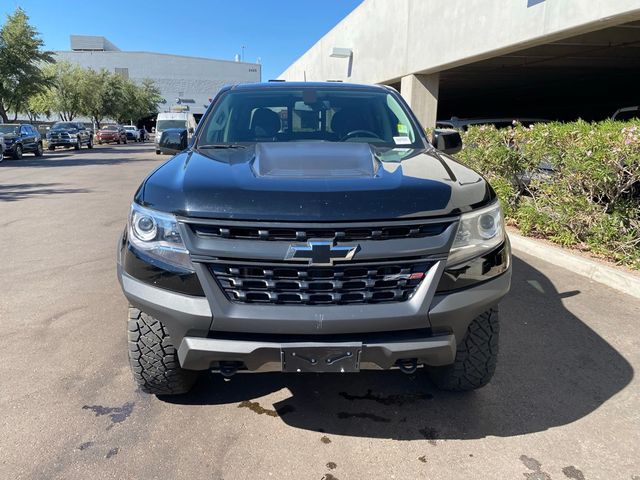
{"x":620,"y":280}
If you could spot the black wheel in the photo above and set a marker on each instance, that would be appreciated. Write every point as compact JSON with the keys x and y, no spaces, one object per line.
{"x":157,"y":152}
{"x":78,"y":145}
{"x":17,"y":152}
{"x":39,"y":150}
{"x":154,"y":358}
{"x":90,"y":144}
{"x":476,"y":356}
{"x":125,"y":141}
{"x":99,"y":142}
{"x":51,"y":148}
{"x":118,"y":141}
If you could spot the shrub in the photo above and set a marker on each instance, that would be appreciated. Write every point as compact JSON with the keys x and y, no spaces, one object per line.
{"x":591,"y":199}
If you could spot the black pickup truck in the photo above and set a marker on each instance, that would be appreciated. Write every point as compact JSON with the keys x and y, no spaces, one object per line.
{"x":69,"y":134}
{"x":313,"y":227}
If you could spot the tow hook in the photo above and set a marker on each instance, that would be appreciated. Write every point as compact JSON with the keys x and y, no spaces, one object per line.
{"x":408,"y":366}
{"x":228,"y":370}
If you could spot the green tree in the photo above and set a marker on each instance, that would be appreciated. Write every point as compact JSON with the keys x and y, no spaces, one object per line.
{"x":67,"y":91}
{"x":138,"y":101}
{"x":102,"y":95}
{"x":37,"y":105}
{"x":21,"y":60}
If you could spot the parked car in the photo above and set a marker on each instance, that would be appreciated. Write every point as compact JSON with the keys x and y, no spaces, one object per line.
{"x":111,"y":134}
{"x":464,"y":123}
{"x":20,"y":138}
{"x":69,"y":134}
{"x":626,"y":113}
{"x":132,"y":132}
{"x":315,"y":229}
{"x":1,"y":146}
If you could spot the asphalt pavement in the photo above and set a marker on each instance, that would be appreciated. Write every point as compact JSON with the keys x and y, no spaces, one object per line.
{"x":564,"y":403}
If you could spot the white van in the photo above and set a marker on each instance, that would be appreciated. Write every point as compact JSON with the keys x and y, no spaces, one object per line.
{"x":168,"y":120}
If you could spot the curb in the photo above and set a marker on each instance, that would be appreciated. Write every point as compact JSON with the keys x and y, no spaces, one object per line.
{"x":619,"y":280}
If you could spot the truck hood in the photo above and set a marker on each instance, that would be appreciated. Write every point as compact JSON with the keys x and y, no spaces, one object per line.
{"x":313,"y":182}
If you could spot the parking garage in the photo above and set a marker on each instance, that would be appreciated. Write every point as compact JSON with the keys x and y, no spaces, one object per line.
{"x":547,"y":59}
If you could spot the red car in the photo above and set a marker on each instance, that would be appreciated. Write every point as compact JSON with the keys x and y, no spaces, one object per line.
{"x":111,"y":134}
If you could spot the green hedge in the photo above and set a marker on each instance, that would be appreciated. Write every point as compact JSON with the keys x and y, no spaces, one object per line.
{"x":592,"y":199}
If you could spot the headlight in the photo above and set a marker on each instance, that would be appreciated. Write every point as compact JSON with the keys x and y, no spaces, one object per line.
{"x":156,"y":235}
{"x":478,"y":232}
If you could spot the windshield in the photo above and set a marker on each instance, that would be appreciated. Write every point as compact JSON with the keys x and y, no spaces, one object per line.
{"x":9,"y":128}
{"x":165,"y":124}
{"x":110,"y":127}
{"x":323,"y":114}
{"x":130,"y":128}
{"x":64,"y":126}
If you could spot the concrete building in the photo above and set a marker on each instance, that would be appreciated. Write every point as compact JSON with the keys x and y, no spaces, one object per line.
{"x":188,"y":81}
{"x":556,"y":59}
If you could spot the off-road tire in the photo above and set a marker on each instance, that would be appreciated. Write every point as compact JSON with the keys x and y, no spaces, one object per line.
{"x":154,"y":358}
{"x":476,"y":357}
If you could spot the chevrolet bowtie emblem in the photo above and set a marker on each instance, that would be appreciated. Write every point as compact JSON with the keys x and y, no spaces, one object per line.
{"x":321,"y":253}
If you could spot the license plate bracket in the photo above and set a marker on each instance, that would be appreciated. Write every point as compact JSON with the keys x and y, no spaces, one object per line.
{"x":303,"y":357}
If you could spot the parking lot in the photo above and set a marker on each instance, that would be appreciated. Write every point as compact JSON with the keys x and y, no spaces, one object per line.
{"x":564,"y":402}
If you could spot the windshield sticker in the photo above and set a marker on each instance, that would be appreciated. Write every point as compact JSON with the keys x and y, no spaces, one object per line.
{"x":402,"y":140}
{"x":402,"y":129}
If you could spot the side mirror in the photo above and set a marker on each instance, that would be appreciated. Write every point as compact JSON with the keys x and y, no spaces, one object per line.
{"x":173,"y":140}
{"x":447,"y":140}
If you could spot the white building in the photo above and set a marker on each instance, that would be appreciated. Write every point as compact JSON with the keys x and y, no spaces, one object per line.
{"x":188,"y":81}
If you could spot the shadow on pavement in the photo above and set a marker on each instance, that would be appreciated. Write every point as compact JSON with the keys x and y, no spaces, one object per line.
{"x":553,"y":370}
{"x":20,"y":191}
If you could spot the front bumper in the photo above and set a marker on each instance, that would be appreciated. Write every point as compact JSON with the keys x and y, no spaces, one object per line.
{"x":189,"y":320}
{"x":62,"y":142}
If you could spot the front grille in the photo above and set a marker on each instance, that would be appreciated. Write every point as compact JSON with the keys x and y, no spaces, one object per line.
{"x":303,"y":234}
{"x":303,"y":285}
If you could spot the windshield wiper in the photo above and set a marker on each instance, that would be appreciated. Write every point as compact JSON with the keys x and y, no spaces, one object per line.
{"x":222,"y":145}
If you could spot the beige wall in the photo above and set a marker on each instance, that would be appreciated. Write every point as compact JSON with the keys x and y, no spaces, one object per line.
{"x":393,"y":38}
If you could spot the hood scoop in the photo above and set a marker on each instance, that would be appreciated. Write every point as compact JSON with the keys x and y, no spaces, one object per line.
{"x":314,"y":160}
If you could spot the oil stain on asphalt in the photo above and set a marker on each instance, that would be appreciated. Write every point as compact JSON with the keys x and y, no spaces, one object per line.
{"x":363,"y":415}
{"x":116,"y":414}
{"x":536,"y":467}
{"x":112,"y":453}
{"x":430,"y":434}
{"x":573,"y":473}
{"x":260,"y":410}
{"x":399,"y":399}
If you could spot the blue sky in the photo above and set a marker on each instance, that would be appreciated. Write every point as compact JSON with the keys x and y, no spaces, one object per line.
{"x":277,"y":31}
